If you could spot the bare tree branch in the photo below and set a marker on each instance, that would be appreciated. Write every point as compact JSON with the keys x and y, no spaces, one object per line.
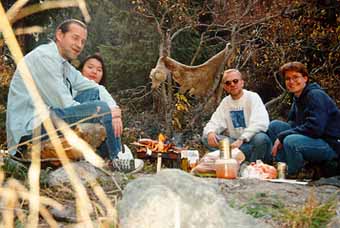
{"x":198,"y":49}
{"x":17,"y":14}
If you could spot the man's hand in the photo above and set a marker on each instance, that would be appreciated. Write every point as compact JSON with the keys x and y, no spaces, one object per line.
{"x":276,"y":147}
{"x":212,"y":140}
{"x":117,"y":123}
{"x":236,"y":144}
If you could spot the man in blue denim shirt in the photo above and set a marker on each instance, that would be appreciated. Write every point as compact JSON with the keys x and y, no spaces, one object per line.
{"x":67,"y":94}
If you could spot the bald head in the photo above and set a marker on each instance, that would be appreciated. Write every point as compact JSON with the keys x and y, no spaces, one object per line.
{"x":231,"y":71}
{"x":233,"y":83}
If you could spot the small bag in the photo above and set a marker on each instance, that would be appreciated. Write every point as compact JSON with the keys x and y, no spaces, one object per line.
{"x":207,"y":167}
{"x":259,"y":170}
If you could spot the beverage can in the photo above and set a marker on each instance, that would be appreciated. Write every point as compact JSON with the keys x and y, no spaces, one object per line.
{"x":189,"y":159}
{"x":224,"y":146}
{"x":281,"y":170}
{"x":184,"y":164}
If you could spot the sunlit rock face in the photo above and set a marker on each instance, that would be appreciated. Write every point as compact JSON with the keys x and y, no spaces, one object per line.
{"x":174,"y":198}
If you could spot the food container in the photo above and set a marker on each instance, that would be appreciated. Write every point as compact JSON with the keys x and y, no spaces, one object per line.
{"x":226,"y":168}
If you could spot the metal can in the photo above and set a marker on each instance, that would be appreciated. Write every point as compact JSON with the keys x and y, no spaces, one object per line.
{"x":281,"y":170}
{"x":224,"y":146}
{"x":185,"y":164}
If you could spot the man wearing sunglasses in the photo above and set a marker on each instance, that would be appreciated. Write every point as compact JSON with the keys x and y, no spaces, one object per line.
{"x":243,"y":115}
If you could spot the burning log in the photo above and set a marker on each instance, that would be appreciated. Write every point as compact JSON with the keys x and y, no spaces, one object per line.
{"x":148,"y":148}
{"x":160,"y":146}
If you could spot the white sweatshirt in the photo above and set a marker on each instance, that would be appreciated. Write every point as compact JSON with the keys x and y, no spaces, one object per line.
{"x":243,"y":118}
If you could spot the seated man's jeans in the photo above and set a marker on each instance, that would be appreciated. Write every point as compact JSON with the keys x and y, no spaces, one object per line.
{"x":91,"y":105}
{"x":258,"y":148}
{"x":297,"y":148}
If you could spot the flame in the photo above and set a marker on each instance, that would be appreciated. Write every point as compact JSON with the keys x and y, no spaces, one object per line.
{"x":161,"y":140}
{"x":161,"y":137}
{"x":155,"y":146}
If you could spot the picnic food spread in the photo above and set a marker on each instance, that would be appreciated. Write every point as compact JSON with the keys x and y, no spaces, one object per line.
{"x":222,"y":163}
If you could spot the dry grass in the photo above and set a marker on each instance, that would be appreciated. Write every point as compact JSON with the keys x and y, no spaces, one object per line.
{"x":312,"y":215}
{"x":27,"y":204}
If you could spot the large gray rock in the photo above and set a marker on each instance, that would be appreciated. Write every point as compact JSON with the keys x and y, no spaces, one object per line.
{"x":174,"y":198}
{"x":85,"y":171}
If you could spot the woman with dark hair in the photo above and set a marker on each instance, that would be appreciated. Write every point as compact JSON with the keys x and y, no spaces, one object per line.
{"x":312,"y":133}
{"x":93,"y":68}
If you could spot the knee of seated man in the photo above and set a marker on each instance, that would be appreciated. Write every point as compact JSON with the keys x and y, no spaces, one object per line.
{"x":102,"y":107}
{"x":275,"y":123}
{"x":261,"y":138}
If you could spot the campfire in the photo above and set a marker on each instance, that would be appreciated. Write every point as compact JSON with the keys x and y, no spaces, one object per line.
{"x":176,"y":157}
{"x":159,"y":149}
{"x":149,"y":146}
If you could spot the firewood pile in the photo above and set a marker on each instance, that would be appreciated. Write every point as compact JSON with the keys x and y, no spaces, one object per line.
{"x":161,"y":149}
{"x":161,"y":145}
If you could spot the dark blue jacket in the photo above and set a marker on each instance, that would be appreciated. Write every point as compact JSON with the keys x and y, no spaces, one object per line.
{"x":316,"y":115}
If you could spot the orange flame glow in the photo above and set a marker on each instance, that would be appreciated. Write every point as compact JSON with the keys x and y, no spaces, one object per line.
{"x":161,"y":140}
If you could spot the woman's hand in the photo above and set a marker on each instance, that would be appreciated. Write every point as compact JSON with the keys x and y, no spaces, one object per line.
{"x":116,"y":113}
{"x":117,"y":123}
{"x":276,"y":147}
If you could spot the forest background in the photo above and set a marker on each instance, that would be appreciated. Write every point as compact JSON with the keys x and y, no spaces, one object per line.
{"x":130,"y":35}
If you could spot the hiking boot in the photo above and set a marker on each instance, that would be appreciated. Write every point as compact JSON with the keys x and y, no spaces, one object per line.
{"x":329,"y":168}
{"x":126,"y":165}
{"x":303,"y":174}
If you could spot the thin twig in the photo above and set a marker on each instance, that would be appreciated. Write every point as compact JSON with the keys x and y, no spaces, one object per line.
{"x":278,"y":82}
{"x":112,"y":177}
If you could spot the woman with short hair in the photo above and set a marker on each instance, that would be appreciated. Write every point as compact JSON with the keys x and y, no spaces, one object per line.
{"x":312,"y":133}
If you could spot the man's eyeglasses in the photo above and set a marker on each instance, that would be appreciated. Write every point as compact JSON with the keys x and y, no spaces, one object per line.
{"x":228,"y":83}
